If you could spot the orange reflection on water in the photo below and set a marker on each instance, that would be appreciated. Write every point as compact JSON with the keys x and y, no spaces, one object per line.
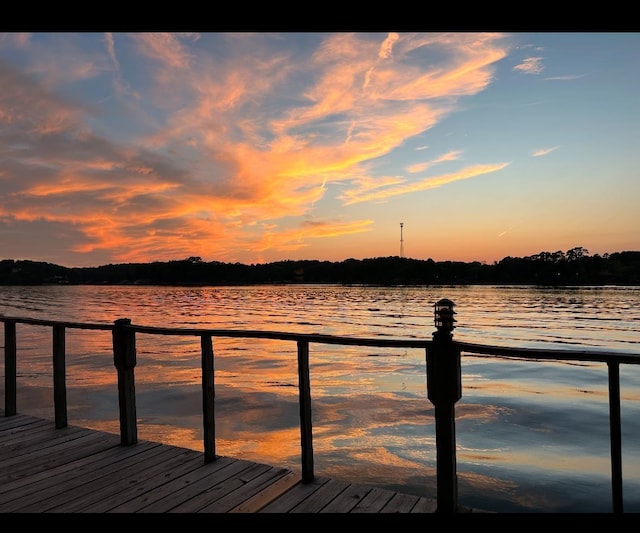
{"x":480,"y":413}
{"x":382,"y":455}
{"x":280,"y":446}
{"x":555,"y":390}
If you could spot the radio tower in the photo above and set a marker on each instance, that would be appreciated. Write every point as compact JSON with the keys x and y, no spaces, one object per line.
{"x":401,"y":241}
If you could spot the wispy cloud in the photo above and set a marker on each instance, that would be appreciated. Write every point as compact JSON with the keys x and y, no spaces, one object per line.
{"x":508,"y":230}
{"x":530,"y":65}
{"x":565,"y":78}
{"x":167,"y":48}
{"x":453,"y":155}
{"x":544,"y":151}
{"x":367,"y":192}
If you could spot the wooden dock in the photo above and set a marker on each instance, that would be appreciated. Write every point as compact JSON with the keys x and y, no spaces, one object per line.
{"x":78,"y":470}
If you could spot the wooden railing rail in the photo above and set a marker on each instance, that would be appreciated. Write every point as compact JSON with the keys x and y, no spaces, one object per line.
{"x":439,"y":358}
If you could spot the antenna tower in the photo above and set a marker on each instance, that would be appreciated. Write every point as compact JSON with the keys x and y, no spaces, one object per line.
{"x":401,"y":240}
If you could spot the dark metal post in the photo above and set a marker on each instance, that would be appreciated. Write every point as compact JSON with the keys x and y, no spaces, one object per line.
{"x":304,"y":392}
{"x":59,"y":377}
{"x":10,"y":368}
{"x":444,"y":389}
{"x":124,"y":359}
{"x":615,"y":431}
{"x":208,"y":398}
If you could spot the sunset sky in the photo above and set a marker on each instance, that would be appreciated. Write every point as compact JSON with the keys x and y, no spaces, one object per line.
{"x":261,"y":147}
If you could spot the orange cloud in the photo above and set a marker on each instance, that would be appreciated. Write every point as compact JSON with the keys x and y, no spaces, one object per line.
{"x":221,"y":159}
{"x":166,"y":47}
{"x":362,"y":195}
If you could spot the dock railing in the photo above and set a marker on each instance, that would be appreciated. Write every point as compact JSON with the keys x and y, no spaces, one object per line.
{"x":443,"y":378}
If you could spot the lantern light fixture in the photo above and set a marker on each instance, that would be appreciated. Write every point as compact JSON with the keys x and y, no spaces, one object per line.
{"x":443,"y":315}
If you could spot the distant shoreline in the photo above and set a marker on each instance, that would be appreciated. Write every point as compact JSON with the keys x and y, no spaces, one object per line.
{"x":575,"y":268}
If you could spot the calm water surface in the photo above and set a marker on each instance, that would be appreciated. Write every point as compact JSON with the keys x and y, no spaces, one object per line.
{"x":531,"y":436}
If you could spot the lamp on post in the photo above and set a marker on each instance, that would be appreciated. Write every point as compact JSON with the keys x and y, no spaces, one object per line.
{"x":444,"y":389}
{"x":443,"y":317}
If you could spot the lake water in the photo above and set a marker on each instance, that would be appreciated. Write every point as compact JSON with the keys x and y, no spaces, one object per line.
{"x":531,"y":436}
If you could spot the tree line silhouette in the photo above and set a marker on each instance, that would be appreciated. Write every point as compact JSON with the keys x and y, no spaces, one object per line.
{"x":574,"y":267}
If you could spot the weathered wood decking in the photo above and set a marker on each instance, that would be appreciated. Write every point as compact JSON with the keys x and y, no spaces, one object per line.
{"x":76,"y":470}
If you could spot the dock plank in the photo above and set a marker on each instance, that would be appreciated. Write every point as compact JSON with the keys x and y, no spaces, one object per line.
{"x":373,"y":502}
{"x":400,"y":503}
{"x":79,"y":470}
{"x":246,"y":490}
{"x":294,"y":496}
{"x":222,"y":487}
{"x":164,"y":496}
{"x":62,"y":473}
{"x":351,"y":496}
{"x":126,"y":476}
{"x":267,"y":494}
{"x":318,"y":500}
{"x":204,"y":480}
{"x":45,"y":458}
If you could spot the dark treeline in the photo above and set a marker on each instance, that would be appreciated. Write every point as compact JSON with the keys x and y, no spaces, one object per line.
{"x":574,"y":267}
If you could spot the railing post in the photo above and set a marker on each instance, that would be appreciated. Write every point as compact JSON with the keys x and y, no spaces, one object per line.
{"x":124,"y":359}
{"x":10,"y":367}
{"x":615,"y":432}
{"x":304,"y":392}
{"x":444,"y":389}
{"x":208,"y":398}
{"x":59,"y":377}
